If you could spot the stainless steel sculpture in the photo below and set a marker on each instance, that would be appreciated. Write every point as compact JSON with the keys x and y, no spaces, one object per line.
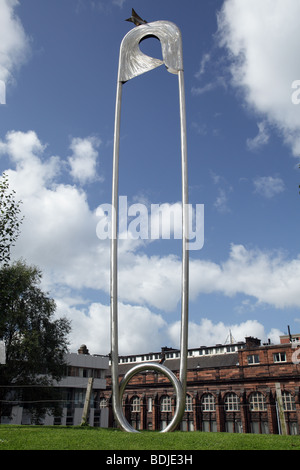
{"x":132,"y":62}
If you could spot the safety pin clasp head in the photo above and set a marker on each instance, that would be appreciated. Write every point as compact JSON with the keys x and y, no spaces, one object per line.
{"x":133,"y":62}
{"x":136,"y":19}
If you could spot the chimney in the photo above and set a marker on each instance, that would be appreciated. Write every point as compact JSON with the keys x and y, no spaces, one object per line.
{"x":252,"y":342}
{"x":83,"y":349}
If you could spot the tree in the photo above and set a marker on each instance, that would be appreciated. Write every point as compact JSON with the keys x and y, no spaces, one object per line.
{"x":35,"y":342}
{"x":9,"y":219}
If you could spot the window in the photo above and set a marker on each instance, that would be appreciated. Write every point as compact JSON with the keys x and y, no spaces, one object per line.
{"x":232,"y":402}
{"x":84,"y":372}
{"x":103,"y":403}
{"x":209,"y":426}
{"x":135,"y":405}
{"x":79,"y":397}
{"x":189,"y":403}
{"x":163,"y":424}
{"x":208,"y":402}
{"x":149,"y":404}
{"x":288,"y":401}
{"x":257,"y":402}
{"x":253,"y":359}
{"x":165,"y":404}
{"x":72,"y":371}
{"x":279,"y":357}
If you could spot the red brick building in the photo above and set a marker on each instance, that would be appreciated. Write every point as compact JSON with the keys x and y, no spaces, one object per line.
{"x":241,"y":387}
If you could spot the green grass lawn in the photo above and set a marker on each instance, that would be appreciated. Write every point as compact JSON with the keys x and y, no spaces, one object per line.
{"x":86,"y":438}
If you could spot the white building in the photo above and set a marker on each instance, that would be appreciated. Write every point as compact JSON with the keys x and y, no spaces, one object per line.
{"x":81,"y":367}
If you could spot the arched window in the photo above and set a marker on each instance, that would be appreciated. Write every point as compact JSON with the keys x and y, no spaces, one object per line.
{"x":208,"y":402}
{"x":257,"y":402}
{"x":189,"y":403}
{"x":165,"y":404}
{"x":288,"y":401}
{"x":232,"y":402}
{"x":135,"y":405}
{"x":102,"y":403}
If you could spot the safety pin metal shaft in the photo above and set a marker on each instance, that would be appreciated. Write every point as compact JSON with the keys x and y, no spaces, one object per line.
{"x":132,"y":62}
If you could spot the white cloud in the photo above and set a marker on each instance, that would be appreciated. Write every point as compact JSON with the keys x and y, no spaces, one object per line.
{"x":59,"y":235}
{"x":84,"y":158}
{"x":119,"y":3}
{"x":25,"y":151}
{"x":269,"y":277}
{"x":262,"y":38}
{"x":96,"y":5}
{"x":200,"y":129}
{"x":216,"y":82}
{"x":140,"y":330}
{"x":224,"y":189}
{"x":14,"y":44}
{"x":209,"y":72}
{"x":221,"y":203}
{"x":205,"y":59}
{"x":154,"y":281}
{"x":262,"y":138}
{"x":59,"y":229}
{"x":268,"y":186}
{"x":203,"y":89}
{"x":208,"y":333}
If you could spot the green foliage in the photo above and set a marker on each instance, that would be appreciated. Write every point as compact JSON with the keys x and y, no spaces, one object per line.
{"x":9,"y":220}
{"x":35,"y":342}
{"x":88,"y":438}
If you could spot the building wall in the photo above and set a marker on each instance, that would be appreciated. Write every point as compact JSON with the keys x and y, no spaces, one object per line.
{"x":239,"y":397}
{"x":73,"y":388}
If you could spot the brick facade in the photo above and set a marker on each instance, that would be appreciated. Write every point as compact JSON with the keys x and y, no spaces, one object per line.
{"x":227,"y":392}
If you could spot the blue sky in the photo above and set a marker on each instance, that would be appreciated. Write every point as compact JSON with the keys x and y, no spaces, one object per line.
{"x":59,"y":60}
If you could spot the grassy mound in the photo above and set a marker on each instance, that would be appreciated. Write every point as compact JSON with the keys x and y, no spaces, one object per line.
{"x":87,"y":438}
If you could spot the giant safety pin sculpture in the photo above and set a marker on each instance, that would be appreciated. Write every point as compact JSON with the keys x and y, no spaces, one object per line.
{"x":132,"y":62}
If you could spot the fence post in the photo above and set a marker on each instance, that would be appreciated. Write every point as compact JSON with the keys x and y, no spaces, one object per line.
{"x":280,"y":410}
{"x":87,"y":401}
